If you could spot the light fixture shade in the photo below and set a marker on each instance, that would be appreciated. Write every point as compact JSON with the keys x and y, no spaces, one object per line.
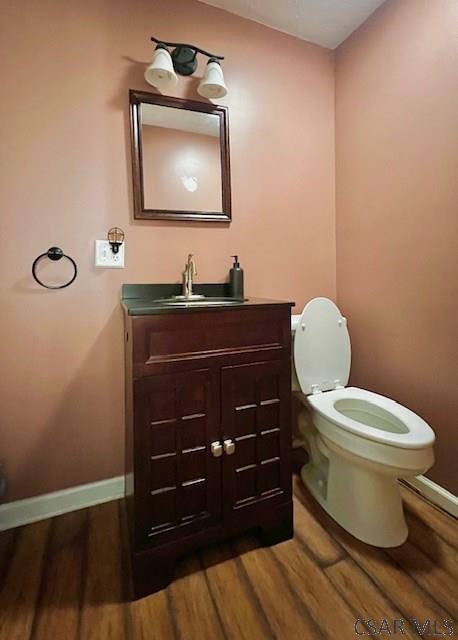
{"x":160,"y":73}
{"x":212,"y":84}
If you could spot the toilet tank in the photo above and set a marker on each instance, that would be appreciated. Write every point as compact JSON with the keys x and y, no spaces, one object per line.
{"x":294,"y":381}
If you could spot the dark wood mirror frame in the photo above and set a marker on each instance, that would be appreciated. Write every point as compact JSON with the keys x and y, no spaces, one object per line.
{"x":140,"y":213}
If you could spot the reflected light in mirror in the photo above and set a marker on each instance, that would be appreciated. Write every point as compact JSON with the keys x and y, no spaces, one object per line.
{"x":191,"y":183}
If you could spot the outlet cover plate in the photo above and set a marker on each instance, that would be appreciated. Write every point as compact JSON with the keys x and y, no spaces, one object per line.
{"x":105,"y":258}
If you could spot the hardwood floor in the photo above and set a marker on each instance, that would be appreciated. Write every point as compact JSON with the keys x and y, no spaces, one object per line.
{"x":62,"y":579}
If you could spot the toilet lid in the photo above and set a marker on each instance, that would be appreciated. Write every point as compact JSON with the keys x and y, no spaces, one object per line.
{"x":322,"y":352}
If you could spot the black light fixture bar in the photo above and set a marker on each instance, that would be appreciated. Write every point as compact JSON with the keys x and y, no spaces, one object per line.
{"x":188,"y":46}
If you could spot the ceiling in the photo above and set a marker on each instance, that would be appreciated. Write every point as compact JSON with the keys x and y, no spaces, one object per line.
{"x":181,"y":119}
{"x":323,"y":22}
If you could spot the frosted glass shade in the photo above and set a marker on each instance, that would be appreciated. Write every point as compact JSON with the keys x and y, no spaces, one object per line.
{"x":160,"y":73}
{"x":212,"y":84}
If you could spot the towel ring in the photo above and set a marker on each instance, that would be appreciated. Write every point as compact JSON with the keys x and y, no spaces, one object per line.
{"x":54,"y":254}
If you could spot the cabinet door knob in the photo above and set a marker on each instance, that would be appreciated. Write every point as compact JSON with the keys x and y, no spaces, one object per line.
{"x":216,"y":449}
{"x":229,"y":447}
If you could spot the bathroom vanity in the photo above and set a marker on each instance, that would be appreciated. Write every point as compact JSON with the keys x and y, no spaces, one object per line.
{"x":208,"y":433}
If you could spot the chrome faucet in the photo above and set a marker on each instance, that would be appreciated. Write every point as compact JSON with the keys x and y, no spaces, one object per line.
{"x":189,"y":273}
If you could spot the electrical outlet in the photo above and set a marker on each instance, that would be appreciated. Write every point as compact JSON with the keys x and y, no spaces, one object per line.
{"x":105,"y":258}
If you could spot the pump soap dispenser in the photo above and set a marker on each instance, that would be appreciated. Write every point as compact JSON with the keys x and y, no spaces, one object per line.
{"x":236,"y":279}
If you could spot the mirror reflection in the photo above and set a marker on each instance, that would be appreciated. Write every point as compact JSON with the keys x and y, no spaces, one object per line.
{"x":181,"y":159}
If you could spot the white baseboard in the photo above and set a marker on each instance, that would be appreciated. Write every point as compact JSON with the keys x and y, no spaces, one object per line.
{"x":436,"y":494}
{"x":20,"y":512}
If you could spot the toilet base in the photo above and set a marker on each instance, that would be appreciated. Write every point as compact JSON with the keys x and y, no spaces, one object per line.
{"x":366,"y":504}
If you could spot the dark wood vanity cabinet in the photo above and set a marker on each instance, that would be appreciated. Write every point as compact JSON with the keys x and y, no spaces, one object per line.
{"x":208,"y":434}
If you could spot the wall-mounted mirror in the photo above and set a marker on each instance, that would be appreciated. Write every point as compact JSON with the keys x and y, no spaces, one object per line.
{"x":180,"y":159}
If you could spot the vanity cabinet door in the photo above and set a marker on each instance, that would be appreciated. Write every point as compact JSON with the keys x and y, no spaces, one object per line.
{"x":256,"y":420}
{"x":177,"y":479}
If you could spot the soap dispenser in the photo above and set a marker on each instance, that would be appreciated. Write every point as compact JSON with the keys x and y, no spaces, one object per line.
{"x":236,"y":279}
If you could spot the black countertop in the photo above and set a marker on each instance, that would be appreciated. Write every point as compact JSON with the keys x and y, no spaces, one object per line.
{"x":144,"y":299}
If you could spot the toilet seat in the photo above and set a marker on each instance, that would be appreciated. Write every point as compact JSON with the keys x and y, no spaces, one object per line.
{"x":322,"y":358}
{"x":409,"y":430}
{"x":322,"y":352}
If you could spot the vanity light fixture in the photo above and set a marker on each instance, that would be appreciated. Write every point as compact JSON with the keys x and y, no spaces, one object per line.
{"x":162,"y":72}
{"x":212,"y":84}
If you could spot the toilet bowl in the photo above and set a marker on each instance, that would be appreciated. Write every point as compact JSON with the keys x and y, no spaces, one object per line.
{"x":359,"y":443}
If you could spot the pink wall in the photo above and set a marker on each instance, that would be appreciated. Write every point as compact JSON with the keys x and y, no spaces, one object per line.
{"x":65,"y":178}
{"x":396,"y":210}
{"x":168,"y":155}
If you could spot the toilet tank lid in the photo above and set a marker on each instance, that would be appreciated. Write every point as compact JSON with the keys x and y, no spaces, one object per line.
{"x":322,"y":351}
{"x":295,"y":317}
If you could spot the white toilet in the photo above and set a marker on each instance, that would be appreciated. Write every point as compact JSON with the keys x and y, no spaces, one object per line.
{"x":359,"y":443}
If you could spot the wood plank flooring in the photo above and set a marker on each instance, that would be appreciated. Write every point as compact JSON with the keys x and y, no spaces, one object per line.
{"x":62,"y":579}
